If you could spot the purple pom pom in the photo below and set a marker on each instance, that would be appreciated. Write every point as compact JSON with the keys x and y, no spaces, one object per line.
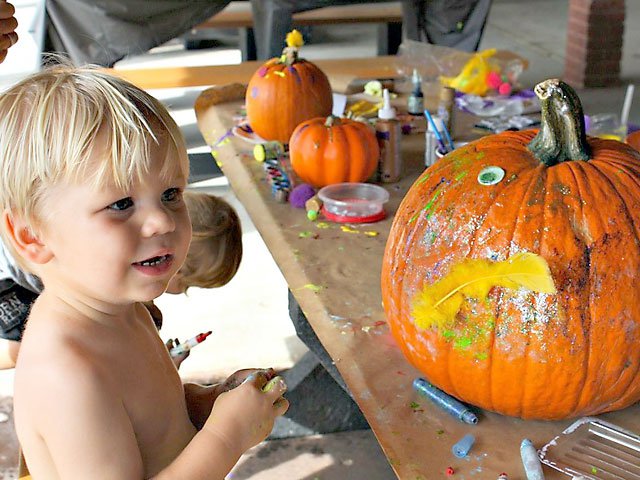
{"x":300,"y":194}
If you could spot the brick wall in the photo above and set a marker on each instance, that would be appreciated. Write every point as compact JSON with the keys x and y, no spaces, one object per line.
{"x":594,"y":42}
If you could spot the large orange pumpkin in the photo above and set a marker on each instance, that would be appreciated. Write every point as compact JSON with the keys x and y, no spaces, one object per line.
{"x":284,"y":92}
{"x":573,"y":202}
{"x":331,"y":150}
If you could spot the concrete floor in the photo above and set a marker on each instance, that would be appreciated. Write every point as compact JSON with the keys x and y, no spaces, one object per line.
{"x":249,"y":316}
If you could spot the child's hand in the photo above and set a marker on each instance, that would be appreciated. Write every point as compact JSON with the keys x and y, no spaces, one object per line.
{"x":178,"y":359}
{"x":244,"y":416}
{"x":235,"y":379}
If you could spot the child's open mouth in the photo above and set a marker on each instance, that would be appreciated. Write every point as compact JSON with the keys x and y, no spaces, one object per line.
{"x":155,"y":265}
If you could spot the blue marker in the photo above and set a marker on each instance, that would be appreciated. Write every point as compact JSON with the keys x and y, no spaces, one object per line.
{"x":445,"y":401}
{"x":531,"y":461}
{"x":448,"y":135}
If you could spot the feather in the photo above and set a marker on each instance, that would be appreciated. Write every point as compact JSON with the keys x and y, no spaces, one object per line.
{"x":437,"y":304}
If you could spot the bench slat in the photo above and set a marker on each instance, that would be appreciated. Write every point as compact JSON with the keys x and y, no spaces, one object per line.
{"x":238,"y":15}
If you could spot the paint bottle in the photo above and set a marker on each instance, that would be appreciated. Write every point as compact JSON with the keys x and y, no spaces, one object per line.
{"x":388,"y":135}
{"x":415,"y":102}
{"x":446,"y":107}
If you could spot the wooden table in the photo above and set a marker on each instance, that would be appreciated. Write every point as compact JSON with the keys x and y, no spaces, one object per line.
{"x":334,"y":273}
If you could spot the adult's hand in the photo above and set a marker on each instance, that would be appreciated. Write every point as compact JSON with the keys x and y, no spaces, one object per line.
{"x":8,"y":25}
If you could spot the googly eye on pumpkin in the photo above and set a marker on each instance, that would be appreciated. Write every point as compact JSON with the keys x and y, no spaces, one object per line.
{"x":490,"y":175}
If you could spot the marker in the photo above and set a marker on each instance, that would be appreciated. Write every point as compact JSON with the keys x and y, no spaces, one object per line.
{"x":531,"y":461}
{"x":188,"y":344}
{"x":446,"y":402}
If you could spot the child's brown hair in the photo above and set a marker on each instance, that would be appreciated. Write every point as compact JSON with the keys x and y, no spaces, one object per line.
{"x":216,"y":244}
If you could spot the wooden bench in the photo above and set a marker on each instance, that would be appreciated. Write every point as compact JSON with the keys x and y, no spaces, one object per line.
{"x":341,"y":72}
{"x":387,"y":16}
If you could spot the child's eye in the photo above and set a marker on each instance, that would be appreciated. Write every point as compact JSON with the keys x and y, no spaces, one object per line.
{"x":171,"y":195}
{"x":122,"y":204}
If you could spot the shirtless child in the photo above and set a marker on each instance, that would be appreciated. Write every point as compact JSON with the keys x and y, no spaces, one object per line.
{"x":92,"y":171}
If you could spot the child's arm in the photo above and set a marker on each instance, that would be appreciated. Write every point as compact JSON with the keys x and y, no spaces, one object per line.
{"x":240,"y":419}
{"x":200,"y":398}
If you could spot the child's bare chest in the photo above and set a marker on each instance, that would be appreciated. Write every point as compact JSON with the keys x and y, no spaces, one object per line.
{"x":153,"y":396}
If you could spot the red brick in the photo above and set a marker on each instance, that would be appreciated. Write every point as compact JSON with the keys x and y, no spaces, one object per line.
{"x":589,"y":55}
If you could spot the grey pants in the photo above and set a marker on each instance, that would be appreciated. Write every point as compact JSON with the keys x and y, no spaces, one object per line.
{"x":104,"y":31}
{"x":452,"y":23}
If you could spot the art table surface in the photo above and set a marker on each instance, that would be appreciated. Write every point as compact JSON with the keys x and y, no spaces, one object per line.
{"x":334,"y":272}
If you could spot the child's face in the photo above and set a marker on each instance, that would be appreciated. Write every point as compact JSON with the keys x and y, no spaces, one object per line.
{"x":118,"y":246}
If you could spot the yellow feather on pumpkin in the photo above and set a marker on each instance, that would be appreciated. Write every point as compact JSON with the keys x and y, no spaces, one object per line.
{"x":437,"y":304}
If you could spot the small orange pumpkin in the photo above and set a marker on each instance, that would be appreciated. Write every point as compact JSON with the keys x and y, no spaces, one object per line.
{"x":284,"y":92}
{"x":554,"y":195}
{"x":331,"y":150}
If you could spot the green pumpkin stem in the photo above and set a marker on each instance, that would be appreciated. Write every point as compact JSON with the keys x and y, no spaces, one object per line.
{"x":562,"y":134}
{"x":329,"y":121}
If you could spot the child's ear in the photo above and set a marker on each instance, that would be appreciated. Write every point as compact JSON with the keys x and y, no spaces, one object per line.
{"x":26,"y":243}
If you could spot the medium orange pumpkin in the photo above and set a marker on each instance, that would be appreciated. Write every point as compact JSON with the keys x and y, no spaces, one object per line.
{"x":284,"y":92}
{"x":331,"y":150}
{"x":573,"y":202}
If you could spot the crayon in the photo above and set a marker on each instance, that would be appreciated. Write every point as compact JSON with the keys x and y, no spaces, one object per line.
{"x":449,"y":404}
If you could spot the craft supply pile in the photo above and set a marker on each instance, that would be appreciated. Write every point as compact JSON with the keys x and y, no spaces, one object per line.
{"x":510,"y":275}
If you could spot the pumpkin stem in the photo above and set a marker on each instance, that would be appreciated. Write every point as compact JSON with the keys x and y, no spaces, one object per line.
{"x":289,"y":56}
{"x":562,"y":134}
{"x":329,"y":121}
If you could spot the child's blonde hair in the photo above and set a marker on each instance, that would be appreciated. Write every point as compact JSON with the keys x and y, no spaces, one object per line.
{"x":49,"y":123}
{"x":216,"y":242}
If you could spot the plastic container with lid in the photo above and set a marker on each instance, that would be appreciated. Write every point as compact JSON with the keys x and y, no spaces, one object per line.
{"x":353,"y":202}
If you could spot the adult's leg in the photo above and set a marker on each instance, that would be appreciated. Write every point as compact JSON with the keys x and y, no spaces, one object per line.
{"x":104,"y":31}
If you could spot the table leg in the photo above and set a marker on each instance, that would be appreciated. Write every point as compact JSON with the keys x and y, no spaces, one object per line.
{"x":320,"y":401}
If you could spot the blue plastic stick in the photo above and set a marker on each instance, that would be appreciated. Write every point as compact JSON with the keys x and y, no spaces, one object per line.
{"x":436,"y":132}
{"x":448,"y":135}
{"x":461,"y":449}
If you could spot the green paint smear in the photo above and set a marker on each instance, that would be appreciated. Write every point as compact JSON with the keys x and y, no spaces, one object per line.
{"x":427,"y":207}
{"x":463,"y":343}
{"x":461,"y":175}
{"x":424,"y":178}
{"x":414,"y":405}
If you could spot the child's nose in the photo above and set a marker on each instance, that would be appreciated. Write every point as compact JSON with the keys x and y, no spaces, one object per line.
{"x":158,"y":221}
